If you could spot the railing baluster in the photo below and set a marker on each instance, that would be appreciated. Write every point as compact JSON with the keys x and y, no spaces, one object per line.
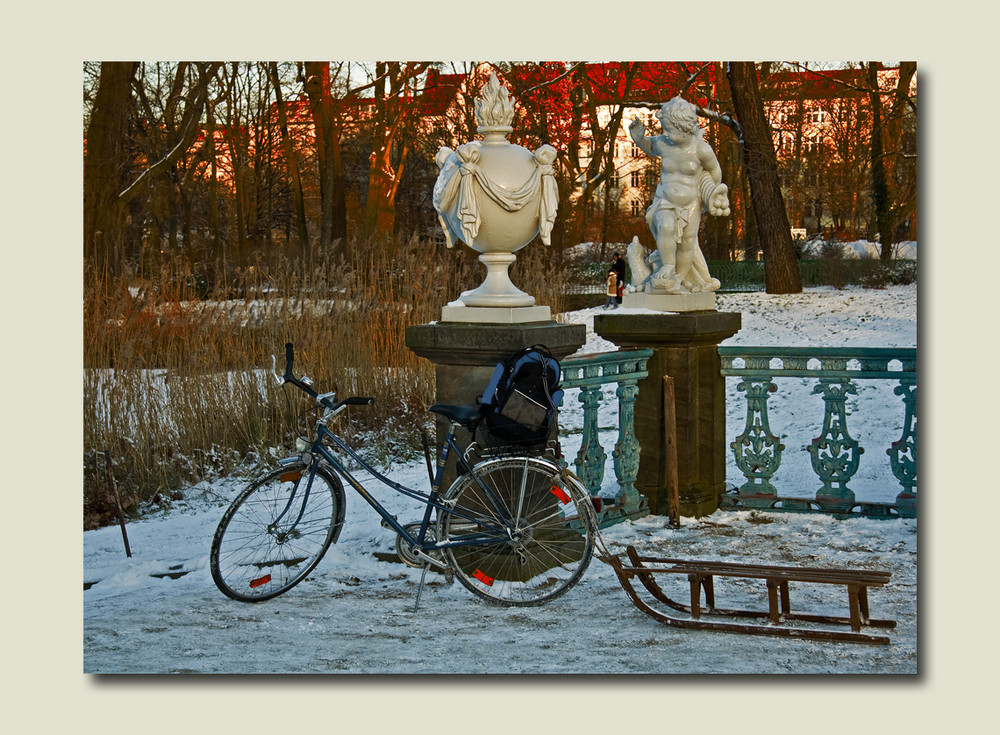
{"x":903,"y":452}
{"x":757,"y":450}
{"x":590,"y":373}
{"x":626,"y":454}
{"x":591,"y":457}
{"x":835,"y":453}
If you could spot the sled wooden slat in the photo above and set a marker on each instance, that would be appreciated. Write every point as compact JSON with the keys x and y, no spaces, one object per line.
{"x":701,"y":580}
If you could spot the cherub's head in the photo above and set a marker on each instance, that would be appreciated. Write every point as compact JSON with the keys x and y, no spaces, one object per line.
{"x":679,"y":114}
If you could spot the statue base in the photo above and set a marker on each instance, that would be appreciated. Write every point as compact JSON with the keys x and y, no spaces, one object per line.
{"x":675,"y":302}
{"x":459,"y":312}
{"x":685,"y":347}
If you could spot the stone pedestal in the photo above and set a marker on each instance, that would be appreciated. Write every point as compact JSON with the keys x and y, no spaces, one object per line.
{"x":685,"y":348}
{"x":465,"y":355}
{"x":459,"y":312}
{"x":682,"y":302}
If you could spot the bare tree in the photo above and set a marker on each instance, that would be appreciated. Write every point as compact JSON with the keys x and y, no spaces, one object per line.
{"x":106,"y":166}
{"x":781,"y":272}
{"x":395,"y":85}
{"x":329,"y":128}
{"x":891,"y":206}
{"x":291,"y":163}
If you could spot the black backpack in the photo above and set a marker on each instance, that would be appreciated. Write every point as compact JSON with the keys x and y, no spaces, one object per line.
{"x":520,"y":400}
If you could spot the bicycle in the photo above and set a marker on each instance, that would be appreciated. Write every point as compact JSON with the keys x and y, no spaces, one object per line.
{"x":514,"y":529}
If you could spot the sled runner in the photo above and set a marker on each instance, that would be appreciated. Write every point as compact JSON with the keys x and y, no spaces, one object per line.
{"x":701,"y":576}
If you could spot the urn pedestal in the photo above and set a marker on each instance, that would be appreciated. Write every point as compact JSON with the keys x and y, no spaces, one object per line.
{"x":465,"y":355}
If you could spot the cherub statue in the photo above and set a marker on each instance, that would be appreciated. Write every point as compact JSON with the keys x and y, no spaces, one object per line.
{"x":690,"y":183}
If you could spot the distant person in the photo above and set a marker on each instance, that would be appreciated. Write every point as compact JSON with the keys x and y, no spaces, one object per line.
{"x":611,"y":291}
{"x":618,"y":266}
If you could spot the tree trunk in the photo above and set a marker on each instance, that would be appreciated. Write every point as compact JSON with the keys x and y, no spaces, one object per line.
{"x":902,"y":180}
{"x":392,"y":115}
{"x":213,"y":185}
{"x":781,"y":270}
{"x":880,"y":185}
{"x":237,"y":149}
{"x":291,"y":163}
{"x":105,"y":167}
{"x":333,"y":203}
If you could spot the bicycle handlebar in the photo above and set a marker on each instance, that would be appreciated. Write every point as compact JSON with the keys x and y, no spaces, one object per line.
{"x":289,"y":377}
{"x":289,"y":360}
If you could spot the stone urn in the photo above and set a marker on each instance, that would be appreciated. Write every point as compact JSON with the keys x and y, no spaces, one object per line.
{"x":495,"y":197}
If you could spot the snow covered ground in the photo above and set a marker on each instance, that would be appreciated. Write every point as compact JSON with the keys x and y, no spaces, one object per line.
{"x":359,"y":615}
{"x":159,"y":611}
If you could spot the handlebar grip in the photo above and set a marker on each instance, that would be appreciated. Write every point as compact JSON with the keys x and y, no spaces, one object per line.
{"x":289,"y":360}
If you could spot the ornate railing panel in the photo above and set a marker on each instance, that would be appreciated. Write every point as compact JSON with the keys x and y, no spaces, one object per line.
{"x":589,"y":374}
{"x":835,"y":454}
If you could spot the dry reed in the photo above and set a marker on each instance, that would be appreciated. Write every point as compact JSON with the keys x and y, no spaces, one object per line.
{"x":177,"y":384}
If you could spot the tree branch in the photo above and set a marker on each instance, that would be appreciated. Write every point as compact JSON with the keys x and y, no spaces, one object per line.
{"x":188,"y":130}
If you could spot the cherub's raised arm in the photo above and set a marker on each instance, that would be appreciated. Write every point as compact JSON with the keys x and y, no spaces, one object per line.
{"x":637,"y":131}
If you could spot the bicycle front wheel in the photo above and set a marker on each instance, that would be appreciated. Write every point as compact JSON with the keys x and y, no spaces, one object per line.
{"x":276,"y":532}
{"x":517,"y":532}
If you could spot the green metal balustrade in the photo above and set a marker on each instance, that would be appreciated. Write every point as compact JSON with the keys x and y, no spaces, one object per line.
{"x":589,"y":374}
{"x":835,"y":454}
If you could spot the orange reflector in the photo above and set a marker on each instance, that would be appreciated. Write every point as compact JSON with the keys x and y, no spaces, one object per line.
{"x":488,"y":581}
{"x":561,"y":494}
{"x":291,"y":476}
{"x":260,"y":580}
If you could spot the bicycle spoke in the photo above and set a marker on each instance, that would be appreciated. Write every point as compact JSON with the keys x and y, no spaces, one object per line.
{"x":259,"y":550}
{"x":545,"y":545}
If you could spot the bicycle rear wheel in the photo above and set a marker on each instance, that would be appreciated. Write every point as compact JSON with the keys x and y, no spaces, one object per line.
{"x":276,"y":532}
{"x":519,"y":533}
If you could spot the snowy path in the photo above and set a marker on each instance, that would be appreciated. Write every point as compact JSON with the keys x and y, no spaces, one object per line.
{"x":355,"y":614}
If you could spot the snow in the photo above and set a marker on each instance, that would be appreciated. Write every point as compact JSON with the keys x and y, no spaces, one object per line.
{"x":355,"y":614}
{"x":906,"y":250}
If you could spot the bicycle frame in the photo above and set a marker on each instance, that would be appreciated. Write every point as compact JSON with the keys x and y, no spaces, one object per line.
{"x":419,"y":543}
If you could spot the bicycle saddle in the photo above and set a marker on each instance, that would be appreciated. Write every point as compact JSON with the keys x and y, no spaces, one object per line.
{"x":467,"y":416}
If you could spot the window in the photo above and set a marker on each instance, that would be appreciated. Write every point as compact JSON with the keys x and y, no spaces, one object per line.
{"x":636,"y":179}
{"x":635,"y":151}
{"x":636,"y":208}
{"x":817,"y":116}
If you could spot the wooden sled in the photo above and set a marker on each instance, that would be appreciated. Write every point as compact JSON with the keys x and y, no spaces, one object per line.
{"x":701,"y":575}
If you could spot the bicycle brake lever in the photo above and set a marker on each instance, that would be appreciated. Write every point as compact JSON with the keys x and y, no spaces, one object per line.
{"x":274,"y":371}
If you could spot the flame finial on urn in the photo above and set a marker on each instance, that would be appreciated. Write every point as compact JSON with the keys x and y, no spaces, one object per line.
{"x":494,"y":108}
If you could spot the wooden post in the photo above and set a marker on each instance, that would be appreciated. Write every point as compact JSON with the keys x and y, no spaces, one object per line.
{"x":670,"y":453}
{"x":118,"y":501}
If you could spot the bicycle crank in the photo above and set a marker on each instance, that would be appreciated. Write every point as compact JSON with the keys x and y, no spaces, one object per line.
{"x":413,"y":557}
